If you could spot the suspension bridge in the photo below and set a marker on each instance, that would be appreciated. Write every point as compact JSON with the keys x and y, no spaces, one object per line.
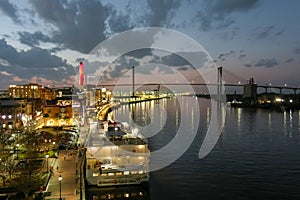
{"x":225,"y":78}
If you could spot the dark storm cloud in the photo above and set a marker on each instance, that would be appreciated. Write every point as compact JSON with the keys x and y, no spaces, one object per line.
{"x":161,"y":12}
{"x":118,"y":22}
{"x":33,"y":62}
{"x":38,"y":58}
{"x":248,"y":65}
{"x":80,"y":24}
{"x":33,"y":39}
{"x":216,"y":13}
{"x":10,"y":10}
{"x":266,"y":63}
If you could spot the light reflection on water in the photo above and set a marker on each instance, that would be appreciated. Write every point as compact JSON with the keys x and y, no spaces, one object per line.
{"x":257,"y":156}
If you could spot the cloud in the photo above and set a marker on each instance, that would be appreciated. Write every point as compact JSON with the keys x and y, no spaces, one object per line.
{"x":93,"y":66}
{"x":118,"y":22}
{"x":79,"y":25}
{"x":10,"y":10}
{"x":266,"y":63}
{"x":216,"y":13}
{"x":146,"y":62}
{"x":5,"y":73}
{"x":230,"y":33}
{"x":33,"y":62}
{"x":242,"y":56}
{"x":289,"y":60}
{"x":223,"y":56}
{"x":161,"y":12}
{"x":33,"y":39}
{"x":279,"y":33}
{"x":265,"y":32}
{"x":297,"y":50}
{"x":248,"y":65}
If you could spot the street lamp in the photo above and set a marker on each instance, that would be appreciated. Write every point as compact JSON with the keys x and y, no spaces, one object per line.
{"x":47,"y":156}
{"x":60,"y":179}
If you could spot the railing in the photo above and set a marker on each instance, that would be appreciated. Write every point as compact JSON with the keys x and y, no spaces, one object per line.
{"x":137,"y":179}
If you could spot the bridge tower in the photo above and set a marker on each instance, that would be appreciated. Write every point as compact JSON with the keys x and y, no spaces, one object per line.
{"x":250,"y":91}
{"x":220,"y":83}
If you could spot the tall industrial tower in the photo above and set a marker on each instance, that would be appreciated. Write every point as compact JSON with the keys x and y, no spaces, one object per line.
{"x":81,"y":74}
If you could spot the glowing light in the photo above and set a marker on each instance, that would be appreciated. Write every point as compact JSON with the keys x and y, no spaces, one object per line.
{"x":279,"y":100}
{"x":95,"y":174}
{"x":81,"y":74}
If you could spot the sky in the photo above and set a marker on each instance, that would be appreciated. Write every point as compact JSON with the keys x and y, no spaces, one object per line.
{"x":44,"y":41}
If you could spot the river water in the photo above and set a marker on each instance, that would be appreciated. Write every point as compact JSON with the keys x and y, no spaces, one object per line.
{"x":256,"y":157}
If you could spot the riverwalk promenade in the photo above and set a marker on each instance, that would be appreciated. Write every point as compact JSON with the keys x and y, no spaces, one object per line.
{"x":66,"y":166}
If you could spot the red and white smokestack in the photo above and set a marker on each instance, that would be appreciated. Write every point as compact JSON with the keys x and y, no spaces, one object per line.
{"x":81,"y":74}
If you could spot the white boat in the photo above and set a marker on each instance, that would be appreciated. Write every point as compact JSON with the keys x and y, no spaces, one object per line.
{"x":116,"y":155}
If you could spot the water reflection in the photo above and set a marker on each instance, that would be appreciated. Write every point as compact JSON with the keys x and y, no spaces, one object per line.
{"x":255,"y":161}
{"x":239,"y":113}
{"x":288,"y":123}
{"x":269,"y":120}
{"x":284,"y":123}
{"x":207,"y":116}
{"x":291,"y":123}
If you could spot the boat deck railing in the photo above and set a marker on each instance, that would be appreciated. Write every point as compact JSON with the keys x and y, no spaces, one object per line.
{"x":122,"y":180}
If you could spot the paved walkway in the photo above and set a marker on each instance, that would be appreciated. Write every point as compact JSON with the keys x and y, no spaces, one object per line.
{"x":66,"y":166}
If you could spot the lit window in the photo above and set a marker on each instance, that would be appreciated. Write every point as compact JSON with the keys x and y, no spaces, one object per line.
{"x":95,"y":174}
{"x":126,"y":172}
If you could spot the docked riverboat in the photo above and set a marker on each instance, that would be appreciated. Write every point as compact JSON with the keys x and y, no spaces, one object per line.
{"x":116,"y":155}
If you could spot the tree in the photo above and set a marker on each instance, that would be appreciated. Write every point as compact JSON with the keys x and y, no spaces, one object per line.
{"x":4,"y":140}
{"x":25,"y":185}
{"x":7,"y":167}
{"x":28,"y":177}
